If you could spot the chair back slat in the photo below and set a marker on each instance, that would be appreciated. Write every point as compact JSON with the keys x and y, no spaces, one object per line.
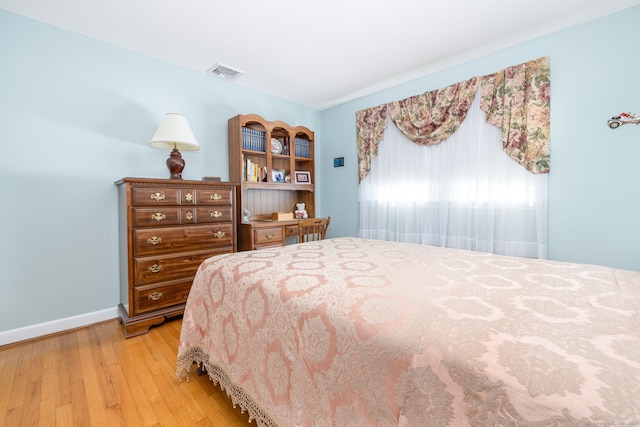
{"x":312,"y":229}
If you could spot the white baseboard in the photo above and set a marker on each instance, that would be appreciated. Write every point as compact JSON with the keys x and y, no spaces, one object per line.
{"x":55,"y":326}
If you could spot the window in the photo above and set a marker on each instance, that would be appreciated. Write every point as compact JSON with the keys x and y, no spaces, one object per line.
{"x":464,"y":192}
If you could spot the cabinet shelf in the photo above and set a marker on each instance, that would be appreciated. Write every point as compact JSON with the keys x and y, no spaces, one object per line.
{"x":278,"y":186}
{"x":276,"y":156}
{"x":253,"y":152}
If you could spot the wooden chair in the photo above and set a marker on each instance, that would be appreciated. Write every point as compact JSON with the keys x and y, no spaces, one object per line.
{"x":312,"y":229}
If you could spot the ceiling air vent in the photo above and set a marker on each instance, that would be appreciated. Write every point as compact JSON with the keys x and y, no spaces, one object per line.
{"x":225,"y":72}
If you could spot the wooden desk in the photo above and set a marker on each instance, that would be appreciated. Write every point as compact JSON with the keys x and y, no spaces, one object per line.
{"x":262,"y":234}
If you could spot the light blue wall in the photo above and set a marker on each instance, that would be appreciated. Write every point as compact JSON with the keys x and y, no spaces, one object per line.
{"x":76,"y":115}
{"x":594,"y":185}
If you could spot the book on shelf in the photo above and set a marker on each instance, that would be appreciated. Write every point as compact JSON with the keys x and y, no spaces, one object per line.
{"x":302,"y":147}
{"x":285,"y":145}
{"x":253,"y":139}
{"x":253,"y":172}
{"x":250,"y":170}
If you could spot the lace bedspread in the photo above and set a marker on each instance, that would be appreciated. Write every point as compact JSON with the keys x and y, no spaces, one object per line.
{"x":355,"y":332}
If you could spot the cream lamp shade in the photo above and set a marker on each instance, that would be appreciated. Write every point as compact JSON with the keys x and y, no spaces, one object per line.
{"x":174,"y":133}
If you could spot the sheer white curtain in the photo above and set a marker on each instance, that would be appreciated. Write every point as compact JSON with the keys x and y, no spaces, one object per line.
{"x":462,"y":193}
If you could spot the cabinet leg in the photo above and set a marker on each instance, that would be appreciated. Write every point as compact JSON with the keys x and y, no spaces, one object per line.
{"x":138,"y":325}
{"x":133,"y":329}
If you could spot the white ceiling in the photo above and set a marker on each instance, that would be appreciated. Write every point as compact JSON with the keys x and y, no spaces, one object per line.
{"x":317,"y":53}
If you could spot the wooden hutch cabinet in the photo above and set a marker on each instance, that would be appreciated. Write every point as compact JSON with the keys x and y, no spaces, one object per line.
{"x":274,"y":164}
{"x":167,"y":228}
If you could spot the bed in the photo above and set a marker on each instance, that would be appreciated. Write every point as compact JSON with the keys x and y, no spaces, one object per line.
{"x":357,"y":332}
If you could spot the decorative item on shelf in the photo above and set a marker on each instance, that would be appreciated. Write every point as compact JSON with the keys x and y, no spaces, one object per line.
{"x":282,"y":216}
{"x":287,"y":178}
{"x":301,"y":211}
{"x":174,"y":133}
{"x":302,"y":177}
{"x":277,"y":175}
{"x":276,"y":146}
{"x":245,"y":215}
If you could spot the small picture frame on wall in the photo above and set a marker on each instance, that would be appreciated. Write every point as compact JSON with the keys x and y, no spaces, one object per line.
{"x":338,"y":162}
{"x":302,"y":177}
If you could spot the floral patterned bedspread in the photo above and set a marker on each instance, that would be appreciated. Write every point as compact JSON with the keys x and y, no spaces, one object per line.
{"x":355,"y":332}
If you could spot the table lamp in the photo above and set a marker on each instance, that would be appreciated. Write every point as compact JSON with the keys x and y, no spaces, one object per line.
{"x":174,"y":134}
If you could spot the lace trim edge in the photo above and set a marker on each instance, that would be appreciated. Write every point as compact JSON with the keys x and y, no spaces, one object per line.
{"x":219,"y":377}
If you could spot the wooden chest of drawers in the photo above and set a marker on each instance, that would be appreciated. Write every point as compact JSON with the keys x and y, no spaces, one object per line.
{"x":167,"y":228}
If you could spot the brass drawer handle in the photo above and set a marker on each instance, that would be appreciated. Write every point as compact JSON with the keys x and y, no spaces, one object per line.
{"x":216,"y":214}
{"x":154,"y":240}
{"x":216,"y":197}
{"x":269,"y":236}
{"x":158,"y":196}
{"x":158,"y":216}
{"x":188,"y":197}
{"x":155,"y":296}
{"x":219,"y":234}
{"x":189,"y":215}
{"x":155,"y":268}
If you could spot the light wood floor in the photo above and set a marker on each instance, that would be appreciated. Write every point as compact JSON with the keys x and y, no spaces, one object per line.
{"x":95,"y":377}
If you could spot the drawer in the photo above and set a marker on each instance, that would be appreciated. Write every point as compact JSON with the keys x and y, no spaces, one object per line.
{"x":213,"y":214}
{"x":154,"y":297}
{"x":158,"y":241}
{"x":162,"y":216}
{"x":214,"y":196}
{"x":164,"y":268}
{"x":291,"y":230}
{"x":155,"y":196}
{"x":149,"y":217}
{"x":268,"y":236}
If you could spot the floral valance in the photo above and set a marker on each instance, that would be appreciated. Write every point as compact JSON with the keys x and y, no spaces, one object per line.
{"x":434,"y":116}
{"x":370,"y":126}
{"x":516,"y":100}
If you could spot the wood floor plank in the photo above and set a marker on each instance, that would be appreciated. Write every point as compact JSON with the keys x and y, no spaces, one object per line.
{"x":47,"y":408}
{"x":163,"y":345}
{"x":31,"y":410}
{"x":65,"y":357}
{"x":17,"y":395}
{"x":146,"y":375}
{"x":106,"y":365}
{"x":94,"y":376}
{"x":108,"y":336}
{"x":79,"y":407}
{"x":33,"y":393}
{"x":93,"y":393}
{"x":8,"y":364}
{"x":129,"y":362}
{"x":64,"y":415}
{"x":123,"y":410}
{"x":180,"y":409}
